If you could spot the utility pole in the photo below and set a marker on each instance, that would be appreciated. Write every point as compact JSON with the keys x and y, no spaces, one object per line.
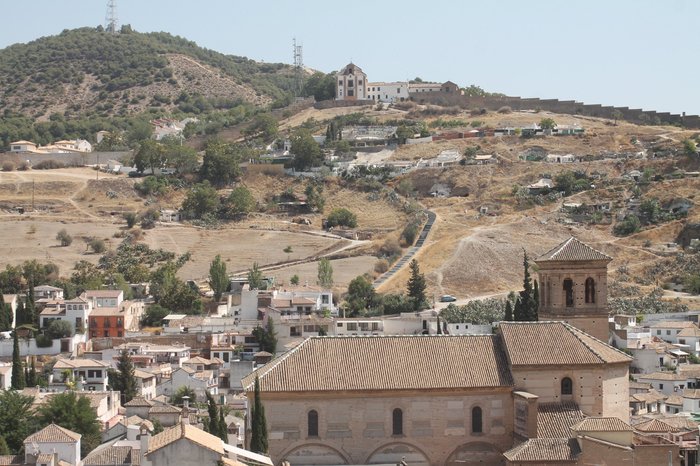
{"x":111,"y":17}
{"x":298,"y":68}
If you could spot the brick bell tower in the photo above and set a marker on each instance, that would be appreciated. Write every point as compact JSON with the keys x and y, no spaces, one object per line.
{"x":573,"y":283}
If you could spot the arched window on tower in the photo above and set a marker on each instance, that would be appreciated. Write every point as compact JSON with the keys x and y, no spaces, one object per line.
{"x":567,"y":386}
{"x":569,"y":292}
{"x":477,"y":421}
{"x":312,"y":423}
{"x":590,"y":291}
{"x":397,"y":422}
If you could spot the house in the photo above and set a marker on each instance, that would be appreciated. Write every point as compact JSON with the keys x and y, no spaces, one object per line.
{"x":89,"y":373}
{"x":145,"y":384}
{"x":670,"y":330}
{"x":557,"y":158}
{"x":47,"y":292}
{"x":173,"y":355}
{"x":666,"y":382}
{"x":104,"y":298}
{"x":446,"y":158}
{"x":74,"y":311}
{"x":388,"y":92}
{"x":201,"y":382}
{"x":114,"y":166}
{"x":351,"y":83}
{"x":22,"y":146}
{"x":115,"y":321}
{"x":120,"y":428}
{"x":225,"y":354}
{"x":399,"y":398}
{"x":151,"y":410}
{"x":542,"y":186}
{"x":5,"y":376}
{"x":52,"y":445}
{"x":169,"y":215}
{"x":415,"y":88}
{"x":73,"y":145}
{"x":483,"y":159}
{"x":106,"y":405}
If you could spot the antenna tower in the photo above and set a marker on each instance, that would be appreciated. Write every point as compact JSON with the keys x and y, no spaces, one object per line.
{"x":111,"y":17}
{"x":298,"y":68}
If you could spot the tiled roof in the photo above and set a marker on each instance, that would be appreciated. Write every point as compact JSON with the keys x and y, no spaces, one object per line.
{"x":674,"y":324}
{"x":544,"y":343}
{"x":189,"y":432}
{"x":693,"y":331}
{"x":665,"y":375}
{"x":103,"y":293}
{"x":681,"y":422}
{"x":163,"y":409}
{"x":53,"y":433}
{"x":107,"y":311}
{"x":44,"y":458}
{"x":554,"y":420}
{"x":8,"y":460}
{"x":675,"y":400}
{"x":138,"y":401}
{"x":602,"y":424}
{"x":691,"y":393}
{"x":387,"y":363}
{"x":640,"y":385}
{"x":137,"y":421}
{"x":77,"y":363}
{"x":651,"y":396}
{"x":656,"y":425}
{"x":545,"y":449}
{"x":573,"y":250}
{"x":143,"y":374}
{"x":113,"y":455}
{"x":197,"y":360}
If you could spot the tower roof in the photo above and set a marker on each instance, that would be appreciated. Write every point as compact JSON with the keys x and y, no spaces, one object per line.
{"x":351,"y":68}
{"x":573,"y":250}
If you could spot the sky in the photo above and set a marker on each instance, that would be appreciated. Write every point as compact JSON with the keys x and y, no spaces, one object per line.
{"x":634,"y":53}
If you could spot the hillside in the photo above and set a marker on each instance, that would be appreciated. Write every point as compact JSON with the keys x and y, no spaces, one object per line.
{"x":86,"y":71}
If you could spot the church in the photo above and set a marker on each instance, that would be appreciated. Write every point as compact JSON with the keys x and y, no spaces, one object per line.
{"x":534,"y":392}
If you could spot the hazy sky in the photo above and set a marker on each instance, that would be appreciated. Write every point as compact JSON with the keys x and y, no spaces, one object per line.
{"x":636,"y":53}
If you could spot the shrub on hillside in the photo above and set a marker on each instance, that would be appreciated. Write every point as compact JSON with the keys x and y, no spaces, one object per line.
{"x":8,"y":166}
{"x":342,"y":217}
{"x":505,"y":109}
{"x":49,"y":164}
{"x":628,"y":226}
{"x":381,"y":266}
{"x":98,"y":246}
{"x":64,"y":238}
{"x":23,"y":166}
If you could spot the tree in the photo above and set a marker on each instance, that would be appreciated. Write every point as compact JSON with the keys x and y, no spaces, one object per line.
{"x":321,"y":86}
{"x":17,"y":421}
{"x":264,"y":125}
{"x":213,"y":425}
{"x":509,"y":311}
{"x":97,"y":245}
{"x":341,"y":217}
{"x":5,"y":315}
{"x":361,"y":296}
{"x":218,"y":278}
{"x":154,"y":315}
{"x":266,"y":337}
{"x":59,"y":329}
{"x":172,"y":293}
{"x":29,"y":317}
{"x":130,"y":218}
{"x":294,"y":280}
{"x":416,"y":287}
{"x":32,"y":378}
{"x":223,"y":428}
{"x":4,"y":449}
{"x":617,"y":115}
{"x":220,"y":164}
{"x":123,"y":379}
{"x":258,"y":440}
{"x":72,"y":411}
{"x":325,"y":273}
{"x":526,"y":304}
{"x":181,"y":158}
{"x":150,"y":154}
{"x":256,"y":280}
{"x":547,"y":123}
{"x":307,"y":153}
{"x":240,"y":202}
{"x":18,"y":382}
{"x":689,"y":147}
{"x":630,"y":224}
{"x":64,"y":238}
{"x":183,"y":391}
{"x":314,"y":197}
{"x":201,"y":200}
{"x":288,"y":250}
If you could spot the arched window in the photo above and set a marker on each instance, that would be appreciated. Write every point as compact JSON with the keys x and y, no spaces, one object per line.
{"x":397,"y":422}
{"x":590,"y":291}
{"x":477,"y":421}
{"x":567,"y":386}
{"x":312,"y":423}
{"x":569,"y":292}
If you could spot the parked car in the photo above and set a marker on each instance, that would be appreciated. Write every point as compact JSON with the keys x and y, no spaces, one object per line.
{"x":447,"y":298}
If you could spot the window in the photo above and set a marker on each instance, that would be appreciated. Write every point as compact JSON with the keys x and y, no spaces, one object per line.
{"x":325,"y":299}
{"x":94,"y":373}
{"x":567,"y":387}
{"x":351,"y":93}
{"x":352,"y":326}
{"x":93,"y":323}
{"x":106,"y":333}
{"x":661,"y":386}
{"x":351,"y":83}
{"x":340,"y":82}
{"x":658,"y":332}
{"x":477,"y":421}
{"x":668,"y":332}
{"x":590,"y":291}
{"x":397,"y":422}
{"x":569,"y":292}
{"x":225,"y":356}
{"x":312,"y":423}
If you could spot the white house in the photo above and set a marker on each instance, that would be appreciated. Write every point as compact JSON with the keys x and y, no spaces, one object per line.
{"x":466,"y":328}
{"x":201,"y":382}
{"x":40,"y":447}
{"x":446,"y":158}
{"x":388,"y":92}
{"x":351,"y":83}
{"x":74,"y":311}
{"x":22,"y":146}
{"x":145,"y":384}
{"x":557,"y":158}
{"x":47,"y":292}
{"x":668,"y":383}
{"x":104,"y":298}
{"x":74,"y":145}
{"x":5,"y":376}
{"x":89,"y":373}
{"x":159,"y":354}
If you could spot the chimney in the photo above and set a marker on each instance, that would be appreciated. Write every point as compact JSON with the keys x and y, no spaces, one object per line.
{"x":144,"y":440}
{"x":185,"y":416}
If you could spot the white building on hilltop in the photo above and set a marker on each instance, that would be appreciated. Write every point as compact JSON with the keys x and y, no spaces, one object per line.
{"x":388,"y":92}
{"x":351,"y":83}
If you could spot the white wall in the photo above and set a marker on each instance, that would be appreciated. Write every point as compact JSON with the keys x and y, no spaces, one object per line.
{"x":29,"y":348}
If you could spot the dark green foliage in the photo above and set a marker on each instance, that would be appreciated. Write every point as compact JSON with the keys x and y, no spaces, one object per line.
{"x":479,"y":312}
{"x":152,"y":186}
{"x":361,"y":297}
{"x":266,"y":337}
{"x":240,"y":202}
{"x":16,"y":419}
{"x":59,"y":329}
{"x":98,"y":245}
{"x":31,"y":378}
{"x":321,"y":86}
{"x":314,"y":197}
{"x":130,"y":218}
{"x":509,"y":311}
{"x":64,"y":238}
{"x":157,"y":427}
{"x":416,"y":287}
{"x":18,"y":382}
{"x":216,"y":424}
{"x":4,"y":449}
{"x":258,"y":440}
{"x":526,"y":304}
{"x":201,"y":200}
{"x":264,"y":126}
{"x":547,"y":123}
{"x":221,"y":162}
{"x":150,"y":155}
{"x":325,"y":273}
{"x":629,"y":225}
{"x":218,"y":278}
{"x":5,"y":315}
{"x":73,"y":412}
{"x":180,"y":393}
{"x":342,"y":217}
{"x":172,"y":293}
{"x":294,"y":280}
{"x":123,"y":379}
{"x":153,"y":316}
{"x":256,"y":280}
{"x":307,"y":153}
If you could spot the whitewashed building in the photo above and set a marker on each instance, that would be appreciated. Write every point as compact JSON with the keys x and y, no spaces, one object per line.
{"x":388,"y":92}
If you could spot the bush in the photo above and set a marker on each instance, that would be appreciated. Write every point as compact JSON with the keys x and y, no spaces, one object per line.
{"x":64,"y":238}
{"x":381,"y":266}
{"x":130,"y":218}
{"x":149,"y":218}
{"x":628,"y":226}
{"x":390,"y":248}
{"x":408,"y":236}
{"x":59,"y":329}
{"x":505,"y":109}
{"x":97,"y":245}
{"x":153,"y":317}
{"x":49,"y":165}
{"x":43,"y":341}
{"x":342,"y":217}
{"x":23,"y":166}
{"x":152,"y":186}
{"x":8,"y":166}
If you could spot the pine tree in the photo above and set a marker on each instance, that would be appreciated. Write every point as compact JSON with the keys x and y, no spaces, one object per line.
{"x":509,"y":311}
{"x":218,"y":278}
{"x":258,"y":439}
{"x":124,"y":379}
{"x":18,"y":382}
{"x":416,"y":286}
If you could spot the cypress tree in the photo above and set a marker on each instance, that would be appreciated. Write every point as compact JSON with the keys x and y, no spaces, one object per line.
{"x":18,"y":382}
{"x":31,"y":379}
{"x":509,"y":311}
{"x":213,"y":415}
{"x":223,"y":428}
{"x":536,"y":299}
{"x":439,"y":326}
{"x":124,"y":379}
{"x":526,"y":306}
{"x":30,"y":307}
{"x":5,"y":313}
{"x":258,"y":438}
{"x":416,"y":286}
